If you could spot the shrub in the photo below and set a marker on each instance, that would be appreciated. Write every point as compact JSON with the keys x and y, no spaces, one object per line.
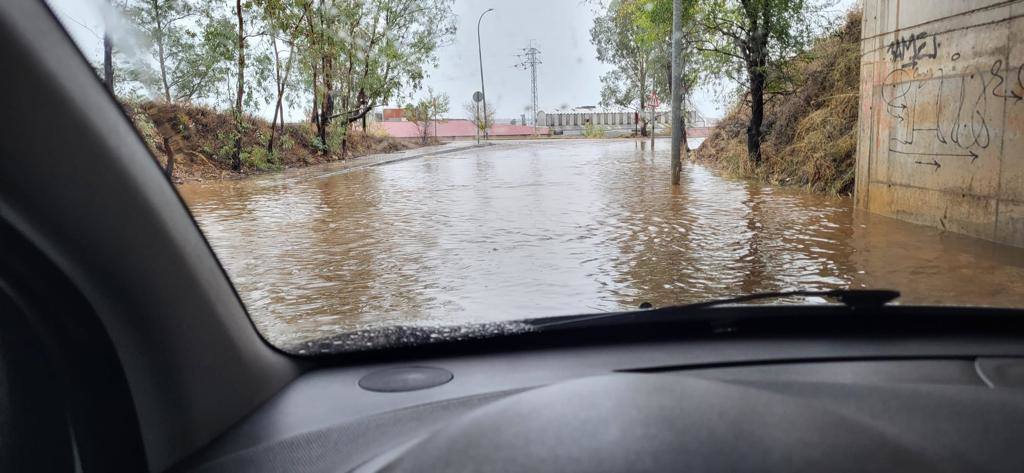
{"x":590,"y":130}
{"x":287,"y":143}
{"x":225,"y":147}
{"x":257,"y":157}
{"x":335,"y":135}
{"x":145,"y":126}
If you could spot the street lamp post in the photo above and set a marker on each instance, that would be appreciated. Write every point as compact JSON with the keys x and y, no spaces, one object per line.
{"x":480,"y":52}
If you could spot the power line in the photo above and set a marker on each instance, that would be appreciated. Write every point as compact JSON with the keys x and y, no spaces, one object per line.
{"x":83,"y":25}
{"x":530,"y":60}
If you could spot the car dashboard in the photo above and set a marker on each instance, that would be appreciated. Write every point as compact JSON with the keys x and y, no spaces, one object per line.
{"x":764,"y":404}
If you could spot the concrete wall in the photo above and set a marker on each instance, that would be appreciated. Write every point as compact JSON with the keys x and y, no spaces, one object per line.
{"x":941,"y":138}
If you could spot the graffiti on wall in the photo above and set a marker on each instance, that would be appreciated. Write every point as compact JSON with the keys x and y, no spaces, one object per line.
{"x":947,"y":110}
{"x":913,"y":48}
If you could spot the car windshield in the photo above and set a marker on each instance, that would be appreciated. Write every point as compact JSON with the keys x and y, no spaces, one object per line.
{"x":379,"y":172}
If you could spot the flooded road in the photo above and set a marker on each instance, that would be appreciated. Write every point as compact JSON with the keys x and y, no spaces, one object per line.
{"x":521,"y":230}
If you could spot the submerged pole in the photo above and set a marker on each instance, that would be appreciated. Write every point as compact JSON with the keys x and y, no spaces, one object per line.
{"x":677,"y":92}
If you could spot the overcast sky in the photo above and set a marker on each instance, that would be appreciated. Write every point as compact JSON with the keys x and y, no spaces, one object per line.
{"x":560,"y":29}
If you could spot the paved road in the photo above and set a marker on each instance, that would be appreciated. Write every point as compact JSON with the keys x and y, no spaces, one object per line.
{"x":526,"y":229}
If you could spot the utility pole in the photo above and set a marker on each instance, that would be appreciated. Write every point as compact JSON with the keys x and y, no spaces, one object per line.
{"x":477,"y":97}
{"x":677,"y":92}
{"x":530,"y":61}
{"x":480,"y":52}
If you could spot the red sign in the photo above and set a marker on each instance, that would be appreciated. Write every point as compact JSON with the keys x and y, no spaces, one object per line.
{"x":653,"y":100}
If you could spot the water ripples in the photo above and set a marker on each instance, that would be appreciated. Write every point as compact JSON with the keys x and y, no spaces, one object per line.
{"x":527,"y":230}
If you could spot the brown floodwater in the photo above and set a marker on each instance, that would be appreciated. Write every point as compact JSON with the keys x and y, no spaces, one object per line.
{"x":521,"y":230}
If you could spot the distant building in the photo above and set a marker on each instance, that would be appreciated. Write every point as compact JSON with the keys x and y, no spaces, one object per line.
{"x":393,"y":114}
{"x":455,"y":129}
{"x":616,"y":117}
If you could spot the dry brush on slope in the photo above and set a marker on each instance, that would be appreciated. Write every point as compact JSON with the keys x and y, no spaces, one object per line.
{"x":811,"y":138}
{"x":202,"y":139}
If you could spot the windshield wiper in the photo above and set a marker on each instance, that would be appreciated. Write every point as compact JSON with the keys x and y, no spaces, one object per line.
{"x":855,"y":299}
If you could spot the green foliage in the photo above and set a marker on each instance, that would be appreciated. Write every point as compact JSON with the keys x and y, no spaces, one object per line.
{"x":335,"y":135}
{"x":739,"y":38}
{"x":654,"y":18}
{"x":187,"y":47}
{"x":182,"y":124}
{"x":812,"y":132}
{"x":426,"y":112}
{"x":591,"y":130}
{"x":225,"y":145}
{"x":366,"y":52}
{"x":144,"y":125}
{"x":621,"y":41}
{"x":257,"y":157}
{"x":287,"y":143}
{"x":336,"y":58}
{"x":314,"y":140}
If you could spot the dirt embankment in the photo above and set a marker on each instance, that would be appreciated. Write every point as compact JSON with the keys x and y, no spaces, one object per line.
{"x":811,"y":133}
{"x":202,"y":141}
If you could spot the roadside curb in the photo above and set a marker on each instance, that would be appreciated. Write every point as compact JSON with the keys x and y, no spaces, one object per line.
{"x":390,"y":158}
{"x":423,"y":155}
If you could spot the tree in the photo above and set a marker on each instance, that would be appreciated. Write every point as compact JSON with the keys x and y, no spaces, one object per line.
{"x":753,"y":37}
{"x":284,"y":18}
{"x":655,"y":22}
{"x":475,"y":114}
{"x":236,"y":158}
{"x":252,"y":63}
{"x":364,"y":53}
{"x":108,"y":61}
{"x":426,"y":112}
{"x":621,"y":41}
{"x":187,"y":45}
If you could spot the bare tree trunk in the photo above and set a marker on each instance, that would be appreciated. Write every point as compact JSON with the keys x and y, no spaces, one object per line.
{"x":685,"y":91}
{"x":757,"y":59}
{"x":315,"y":117}
{"x":282,"y":81}
{"x":161,"y":54}
{"x":108,"y":62}
{"x":642,"y":116}
{"x":236,"y":159}
{"x":754,"y":131}
{"x":169,"y":151}
{"x":277,"y":107}
{"x":280,"y":114}
{"x":327,"y":102}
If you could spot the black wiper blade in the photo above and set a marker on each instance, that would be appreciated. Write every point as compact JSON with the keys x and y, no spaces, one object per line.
{"x":855,"y":299}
